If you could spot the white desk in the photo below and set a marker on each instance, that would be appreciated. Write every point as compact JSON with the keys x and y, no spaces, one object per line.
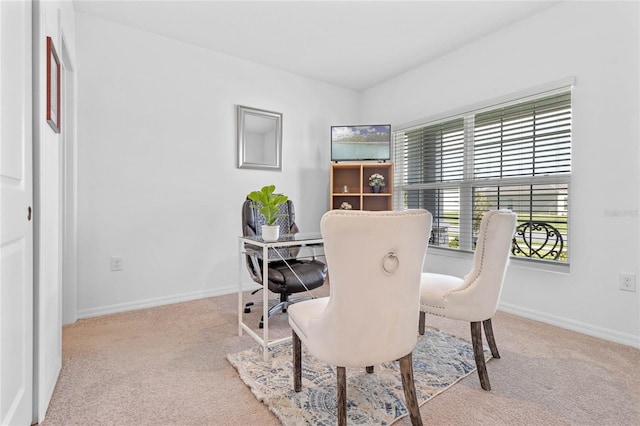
{"x":312,"y":242}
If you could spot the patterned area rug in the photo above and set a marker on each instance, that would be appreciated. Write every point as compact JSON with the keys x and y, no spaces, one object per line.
{"x":439,"y":361}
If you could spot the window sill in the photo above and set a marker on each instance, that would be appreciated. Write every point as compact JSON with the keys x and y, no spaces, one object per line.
{"x":538,"y":265}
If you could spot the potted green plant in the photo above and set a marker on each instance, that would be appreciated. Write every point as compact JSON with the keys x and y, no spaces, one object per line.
{"x":267,"y":203}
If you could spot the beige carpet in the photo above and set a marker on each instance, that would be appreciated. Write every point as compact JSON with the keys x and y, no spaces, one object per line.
{"x":168,"y":366}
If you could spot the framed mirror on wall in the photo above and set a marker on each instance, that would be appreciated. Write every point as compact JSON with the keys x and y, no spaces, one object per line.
{"x":259,"y":139}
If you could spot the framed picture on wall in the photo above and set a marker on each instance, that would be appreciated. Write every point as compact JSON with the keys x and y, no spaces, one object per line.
{"x":53,"y":87}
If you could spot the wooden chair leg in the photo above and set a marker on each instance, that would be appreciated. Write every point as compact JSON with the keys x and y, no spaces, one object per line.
{"x":476,"y":340}
{"x":297,"y":362}
{"x":421,"y":323}
{"x":342,"y":396}
{"x":369,"y":369}
{"x":406,"y":371}
{"x":488,"y":332}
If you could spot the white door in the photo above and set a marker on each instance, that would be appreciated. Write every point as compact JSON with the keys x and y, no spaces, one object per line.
{"x":16,"y":229}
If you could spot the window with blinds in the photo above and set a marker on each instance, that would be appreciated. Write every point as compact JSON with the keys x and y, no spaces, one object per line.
{"x":514,"y":156}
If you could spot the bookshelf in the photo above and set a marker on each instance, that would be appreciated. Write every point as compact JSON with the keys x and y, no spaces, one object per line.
{"x":355,"y":178}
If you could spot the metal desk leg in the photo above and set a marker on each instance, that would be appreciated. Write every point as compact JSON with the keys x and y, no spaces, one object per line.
{"x":240,"y":310}
{"x":265,"y":301}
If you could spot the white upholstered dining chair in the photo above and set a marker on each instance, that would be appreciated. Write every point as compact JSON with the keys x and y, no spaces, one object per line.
{"x":474,"y":297}
{"x":375,"y":261}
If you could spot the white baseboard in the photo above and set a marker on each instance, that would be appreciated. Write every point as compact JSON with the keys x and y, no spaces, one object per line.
{"x":580,"y":327}
{"x":150,"y":303}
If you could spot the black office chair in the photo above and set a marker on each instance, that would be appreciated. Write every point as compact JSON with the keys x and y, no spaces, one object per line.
{"x":284,"y":277}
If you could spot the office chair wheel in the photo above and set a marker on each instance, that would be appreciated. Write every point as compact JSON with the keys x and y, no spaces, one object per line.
{"x":247,"y":307}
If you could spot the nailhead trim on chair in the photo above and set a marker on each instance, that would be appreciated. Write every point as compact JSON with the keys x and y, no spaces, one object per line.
{"x":377,"y":213}
{"x":433,"y":313}
{"x":484,"y":242}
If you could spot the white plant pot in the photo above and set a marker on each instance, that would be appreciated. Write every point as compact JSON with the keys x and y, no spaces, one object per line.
{"x":270,"y":233}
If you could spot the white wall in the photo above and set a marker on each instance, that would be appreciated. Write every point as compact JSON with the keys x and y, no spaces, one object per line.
{"x":157,"y":177}
{"x":597,"y":42}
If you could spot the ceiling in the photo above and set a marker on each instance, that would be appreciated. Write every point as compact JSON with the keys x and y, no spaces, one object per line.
{"x":352,"y":44}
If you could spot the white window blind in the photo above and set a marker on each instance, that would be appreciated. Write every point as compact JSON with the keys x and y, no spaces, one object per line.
{"x":515,"y":156}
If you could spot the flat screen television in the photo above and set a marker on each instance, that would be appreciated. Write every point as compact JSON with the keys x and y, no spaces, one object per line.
{"x":361,"y":143}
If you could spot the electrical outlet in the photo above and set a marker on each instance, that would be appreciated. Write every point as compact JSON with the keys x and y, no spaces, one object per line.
{"x":116,"y":263}
{"x":627,"y":281}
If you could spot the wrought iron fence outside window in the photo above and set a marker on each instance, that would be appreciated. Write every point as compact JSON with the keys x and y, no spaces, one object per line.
{"x":515,"y":155}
